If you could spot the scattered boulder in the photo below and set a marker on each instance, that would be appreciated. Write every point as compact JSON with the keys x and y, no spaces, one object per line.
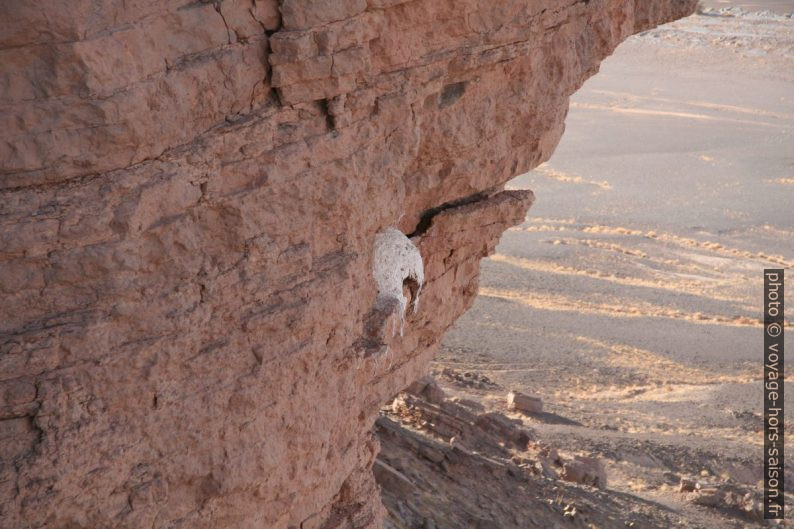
{"x":546,"y":468}
{"x":524,"y":403}
{"x":687,"y":485}
{"x":585,"y":470}
{"x":468,"y":379}
{"x":728,"y":497}
{"x":707,"y":496}
{"x":551,"y":453}
{"x":428,"y":389}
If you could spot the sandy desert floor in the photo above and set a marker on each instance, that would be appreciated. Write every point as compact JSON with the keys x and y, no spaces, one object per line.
{"x":630,"y":299}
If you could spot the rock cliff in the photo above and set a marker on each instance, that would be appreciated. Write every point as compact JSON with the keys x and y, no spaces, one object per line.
{"x":190,"y":194}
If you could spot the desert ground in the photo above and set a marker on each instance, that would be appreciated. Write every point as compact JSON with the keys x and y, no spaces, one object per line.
{"x":630,"y":299}
{"x":781,"y":7}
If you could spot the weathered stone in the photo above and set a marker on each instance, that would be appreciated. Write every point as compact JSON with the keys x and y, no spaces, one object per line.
{"x":427,"y":388}
{"x":687,"y":485}
{"x":708,"y":496}
{"x":585,"y":470}
{"x":524,"y":403}
{"x":728,"y":497}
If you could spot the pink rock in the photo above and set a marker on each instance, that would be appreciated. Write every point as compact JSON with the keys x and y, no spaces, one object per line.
{"x":186,"y":251}
{"x":427,"y":388}
{"x":585,"y":470}
{"x":524,"y":403}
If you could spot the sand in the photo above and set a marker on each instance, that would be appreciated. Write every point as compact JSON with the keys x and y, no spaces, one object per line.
{"x":776,"y":6}
{"x":630,"y":299}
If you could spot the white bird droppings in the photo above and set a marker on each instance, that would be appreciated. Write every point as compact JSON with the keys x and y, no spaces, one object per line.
{"x":396,"y":260}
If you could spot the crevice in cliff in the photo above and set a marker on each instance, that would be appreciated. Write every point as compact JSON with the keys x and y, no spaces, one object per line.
{"x":269,"y":81}
{"x":268,"y":32}
{"x":426,"y":220}
{"x":329,"y":118}
{"x":217,"y":6}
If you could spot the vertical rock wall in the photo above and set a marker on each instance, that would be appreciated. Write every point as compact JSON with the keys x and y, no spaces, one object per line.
{"x":189,"y":198}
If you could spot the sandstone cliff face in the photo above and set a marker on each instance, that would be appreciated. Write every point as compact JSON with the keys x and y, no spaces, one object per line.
{"x":190,"y":195}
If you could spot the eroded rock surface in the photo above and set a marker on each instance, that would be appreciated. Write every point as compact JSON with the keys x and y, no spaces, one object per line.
{"x":190,"y":193}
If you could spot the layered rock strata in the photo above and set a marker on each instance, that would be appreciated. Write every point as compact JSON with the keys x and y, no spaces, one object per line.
{"x":190,"y":194}
{"x":450,"y":462}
